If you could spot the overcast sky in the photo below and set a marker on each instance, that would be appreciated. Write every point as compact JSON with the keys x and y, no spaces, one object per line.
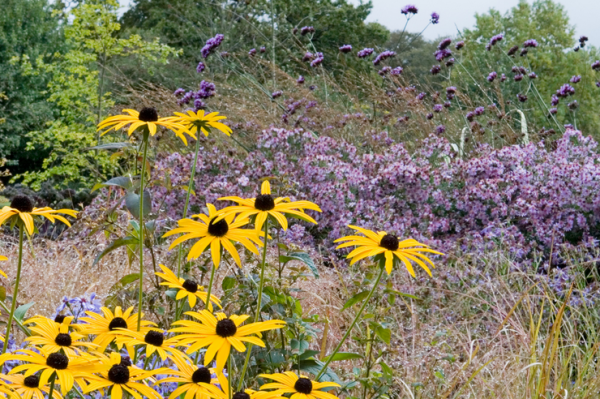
{"x":459,"y":14}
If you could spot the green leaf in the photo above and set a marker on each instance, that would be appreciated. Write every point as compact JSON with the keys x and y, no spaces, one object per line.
{"x":390,"y":291}
{"x":356,"y":298}
{"x":344,"y":356}
{"x":302,"y":257}
{"x":21,"y":310}
{"x":314,"y":367}
{"x":387,"y":370}
{"x":385,"y":334}
{"x":114,"y":245}
{"x":2,"y":294}
{"x":228,"y":283}
{"x":132,"y":202}
{"x":308,"y":353}
{"x":130,"y":278}
{"x":125,"y":182}
{"x":110,"y":146}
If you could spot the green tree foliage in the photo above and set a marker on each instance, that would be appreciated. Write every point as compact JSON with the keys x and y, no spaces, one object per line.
{"x":77,"y":88}
{"x":554,"y":61}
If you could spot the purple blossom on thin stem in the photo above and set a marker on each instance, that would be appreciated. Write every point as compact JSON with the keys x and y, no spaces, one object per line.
{"x":518,"y":78}
{"x":444,"y":43}
{"x":530,"y":43}
{"x":306,"y":30}
{"x":385,"y":70}
{"x":553,"y":111}
{"x":596,"y":65}
{"x":318,"y":60}
{"x":276,"y":93}
{"x":479,"y":111}
{"x":495,"y":39}
{"x":438,"y":108}
{"x":513,"y":50}
{"x":522,"y":97}
{"x":211,"y":45}
{"x":429,"y":116}
{"x":435,"y":69}
{"x":435,"y":18}
{"x":200,"y":68}
{"x":440,"y":129}
{"x":300,"y":80}
{"x":459,"y":45}
{"x":364,"y":53}
{"x":346,"y":48}
{"x":396,"y":71}
{"x":576,"y":79}
{"x":421,"y":96}
{"x":409,"y":9}
{"x":308,"y":56}
{"x":179,"y":92}
{"x":383,"y":56}
{"x":573,"y":105}
{"x":555,"y":100}
{"x":565,"y":91}
{"x":532,"y":75}
{"x":263,"y":49}
{"x":441,"y":54}
{"x":503,"y":78}
{"x":252,"y":52}
{"x":450,"y":62}
{"x":492,"y":76}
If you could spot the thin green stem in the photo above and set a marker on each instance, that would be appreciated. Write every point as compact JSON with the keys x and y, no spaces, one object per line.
{"x":210,"y":284}
{"x":142,"y":227}
{"x":52,"y":381}
{"x":261,"y":285}
{"x":358,"y":315}
{"x":14,"y":298}
{"x":229,"y":372}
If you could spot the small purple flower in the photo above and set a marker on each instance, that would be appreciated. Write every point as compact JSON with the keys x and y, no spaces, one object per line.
{"x":383,"y":56}
{"x":513,"y":50}
{"x":179,"y":92}
{"x":596,"y":65}
{"x":186,"y":98}
{"x":553,"y":111}
{"x":522,"y":97}
{"x":459,"y":45}
{"x":211,"y":44}
{"x":530,"y":43}
{"x":524,"y":52}
{"x":364,"y":53}
{"x":252,"y":52}
{"x":306,"y":30}
{"x":207,"y":89}
{"x":576,"y":79}
{"x":318,"y":60}
{"x":262,"y":49}
{"x":435,"y":69}
{"x":308,"y":56}
{"x":597,"y":84}
{"x":403,"y":119}
{"x":470,"y":116}
{"x":492,"y":76}
{"x":444,"y":43}
{"x":582,"y":40}
{"x":199,"y":104}
{"x":495,"y":39}
{"x":555,"y":100}
{"x":396,"y":71}
{"x":451,"y":89}
{"x":479,"y":111}
{"x":276,"y":93}
{"x":346,"y":48}
{"x":300,"y":80}
{"x":440,"y":129}
{"x":515,"y":69}
{"x":518,"y":78}
{"x":224,"y":54}
{"x":435,"y":18}
{"x":573,"y":105}
{"x":409,"y":9}
{"x":385,"y":70}
{"x":438,"y":108}
{"x":429,"y":116}
{"x":532,"y":75}
{"x":200,"y":68}
{"x":503,"y":78}
{"x":576,"y":49}
{"x":450,"y":62}
{"x":449,"y":96}
{"x":421,"y":96}
{"x":565,"y":91}
{"x":447,"y":104}
{"x":441,"y":54}
{"x":312,"y":87}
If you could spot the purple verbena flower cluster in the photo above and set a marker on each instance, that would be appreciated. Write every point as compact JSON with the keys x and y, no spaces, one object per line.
{"x":211,"y":45}
{"x":383,"y":56}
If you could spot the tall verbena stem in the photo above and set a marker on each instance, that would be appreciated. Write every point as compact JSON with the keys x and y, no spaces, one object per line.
{"x":356,"y":318}
{"x":146,"y":136}
{"x":261,"y":285}
{"x":14,"y":298}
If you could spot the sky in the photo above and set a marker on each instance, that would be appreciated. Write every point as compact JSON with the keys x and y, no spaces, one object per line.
{"x":459,"y":14}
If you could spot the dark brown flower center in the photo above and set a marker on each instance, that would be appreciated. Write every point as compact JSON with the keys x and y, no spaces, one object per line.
{"x":118,"y":374}
{"x":264,"y":202}
{"x":226,"y":328}
{"x":155,"y":338}
{"x":241,"y":395}
{"x":148,"y":114}
{"x":203,"y":374}
{"x":117,"y":322}
{"x":390,"y":242}
{"x":57,"y":361}
{"x":218,"y":229}
{"x":190,"y":286}
{"x":32,"y":381}
{"x":303,"y":385}
{"x":22,"y":203}
{"x":63,"y":340}
{"x":59,"y":318}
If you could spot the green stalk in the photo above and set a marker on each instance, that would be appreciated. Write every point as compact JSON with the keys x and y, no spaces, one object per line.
{"x":358,"y":315}
{"x":14,"y":298}
{"x":261,"y":285}
{"x":52,"y":380}
{"x":210,"y":284}
{"x":229,"y":372}
{"x":142,"y":226}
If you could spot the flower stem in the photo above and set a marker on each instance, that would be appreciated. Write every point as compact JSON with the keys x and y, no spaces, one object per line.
{"x":52,"y":380}
{"x":142,"y":228}
{"x":358,"y":315}
{"x":210,"y":284}
{"x":229,"y":372}
{"x":261,"y":285}
{"x":14,"y":298}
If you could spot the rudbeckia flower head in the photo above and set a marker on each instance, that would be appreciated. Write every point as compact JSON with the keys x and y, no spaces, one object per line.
{"x":186,"y":288}
{"x":191,"y":379}
{"x":154,"y":341}
{"x":300,"y":387}
{"x":21,"y":209}
{"x":201,"y":121}
{"x":51,"y":336}
{"x":388,"y":245}
{"x":20,"y":386}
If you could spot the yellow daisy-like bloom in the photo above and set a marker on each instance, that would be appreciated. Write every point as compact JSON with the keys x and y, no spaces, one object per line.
{"x":154,"y":341}
{"x":223,"y":392}
{"x":53,"y":337}
{"x":119,"y":377}
{"x":190,"y":378}
{"x":3,"y":258}
{"x":220,"y":333}
{"x":147,"y":117}
{"x":373,"y":244}
{"x":187,"y":288}
{"x":300,"y":387}
{"x":66,"y":370}
{"x":216,"y":234}
{"x":202,"y":121}
{"x":106,"y":327}
{"x":21,"y":207}
{"x":27,"y":387}
{"x":264,"y":205}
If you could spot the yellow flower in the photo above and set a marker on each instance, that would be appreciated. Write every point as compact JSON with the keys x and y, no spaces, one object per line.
{"x":264,"y":205}
{"x":21,"y":207}
{"x":187,"y":288}
{"x":190,"y":378}
{"x":220,"y":333}
{"x":223,"y":393}
{"x":215,"y":234}
{"x":373,"y":244}
{"x":195,"y":121}
{"x":3,"y":258}
{"x":147,"y":117}
{"x":67,"y":370}
{"x":105,"y":326}
{"x":154,"y":341}
{"x":119,"y":376}
{"x":28,"y":387}
{"x":300,"y":387}
{"x":53,"y":337}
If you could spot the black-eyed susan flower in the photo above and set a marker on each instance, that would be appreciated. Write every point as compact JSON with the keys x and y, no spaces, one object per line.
{"x":220,"y":333}
{"x":119,"y":378}
{"x":264,"y":205}
{"x":373,"y":244}
{"x":190,"y":378}
{"x":66,"y":370}
{"x":21,"y":208}
{"x":202,"y":121}
{"x":216,"y":234}
{"x":147,"y":117}
{"x":27,"y":387}
{"x":154,"y":341}
{"x":223,"y":392}
{"x":105,"y":327}
{"x":186,"y":288}
{"x":51,"y":336}
{"x":300,"y":387}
